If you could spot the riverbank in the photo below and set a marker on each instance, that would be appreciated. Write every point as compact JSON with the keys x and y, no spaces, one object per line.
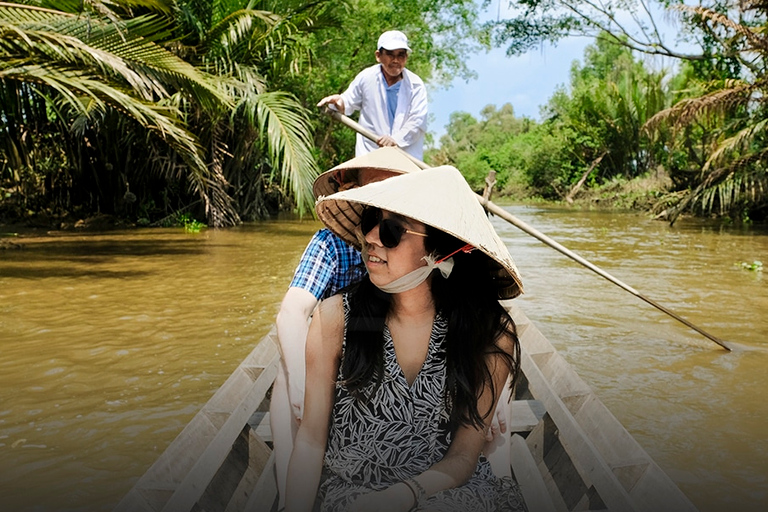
{"x":16,"y":232}
{"x":651,"y":195}
{"x":40,"y":222}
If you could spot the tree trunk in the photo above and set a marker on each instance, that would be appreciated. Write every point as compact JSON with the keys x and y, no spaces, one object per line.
{"x":575,"y":189}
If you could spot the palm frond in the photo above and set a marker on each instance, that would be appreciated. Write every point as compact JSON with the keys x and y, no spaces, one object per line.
{"x":238,"y":26}
{"x":146,"y":66}
{"x":719,"y":102}
{"x":734,"y":190}
{"x":45,"y":46}
{"x":740,"y":143}
{"x":721,"y":181}
{"x":98,"y":62}
{"x":286,"y":128}
{"x":78,"y":6}
{"x":721,"y":19}
{"x":68,"y":88}
{"x":163,"y":6}
{"x":249,"y":78}
{"x":87,"y":95}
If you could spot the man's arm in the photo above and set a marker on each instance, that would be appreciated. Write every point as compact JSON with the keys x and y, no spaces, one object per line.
{"x":323,"y":355}
{"x":350,"y":100}
{"x":292,"y":327}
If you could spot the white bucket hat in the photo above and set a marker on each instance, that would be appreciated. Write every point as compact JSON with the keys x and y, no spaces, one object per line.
{"x":390,"y":159}
{"x":393,"y":40}
{"x":439,"y":197}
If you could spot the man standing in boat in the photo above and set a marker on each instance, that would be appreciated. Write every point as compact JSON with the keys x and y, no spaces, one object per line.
{"x":391,"y":99}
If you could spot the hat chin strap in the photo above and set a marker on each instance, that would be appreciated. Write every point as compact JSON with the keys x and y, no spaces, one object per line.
{"x":416,"y":277}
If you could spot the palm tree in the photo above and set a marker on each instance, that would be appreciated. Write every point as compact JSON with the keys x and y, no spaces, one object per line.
{"x":733,"y":177}
{"x":128,"y":101}
{"x":255,"y":43}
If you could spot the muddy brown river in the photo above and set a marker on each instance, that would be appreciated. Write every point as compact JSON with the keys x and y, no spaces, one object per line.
{"x":111,"y":342}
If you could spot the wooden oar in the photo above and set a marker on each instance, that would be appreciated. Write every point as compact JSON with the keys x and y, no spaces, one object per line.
{"x":496,"y":210}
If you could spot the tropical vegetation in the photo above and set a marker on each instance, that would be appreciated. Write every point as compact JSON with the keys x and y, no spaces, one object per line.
{"x":704,"y":126}
{"x":150,"y":109}
{"x":183,"y":111}
{"x":591,"y":133}
{"x":132,"y":106}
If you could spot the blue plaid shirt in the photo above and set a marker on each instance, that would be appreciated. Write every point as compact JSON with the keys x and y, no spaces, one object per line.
{"x":328,"y":265}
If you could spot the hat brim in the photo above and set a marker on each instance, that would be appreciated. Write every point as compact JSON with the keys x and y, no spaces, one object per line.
{"x":392,"y":47}
{"x":387,"y":159}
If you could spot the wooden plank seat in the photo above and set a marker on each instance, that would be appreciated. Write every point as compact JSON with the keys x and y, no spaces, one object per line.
{"x":259,"y":422}
{"x":524,"y":415}
{"x":526,"y":473}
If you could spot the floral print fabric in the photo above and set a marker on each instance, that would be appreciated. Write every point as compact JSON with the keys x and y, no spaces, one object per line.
{"x":399,"y":433}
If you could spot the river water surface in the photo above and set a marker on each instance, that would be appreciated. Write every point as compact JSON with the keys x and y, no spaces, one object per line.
{"x":111,"y":342}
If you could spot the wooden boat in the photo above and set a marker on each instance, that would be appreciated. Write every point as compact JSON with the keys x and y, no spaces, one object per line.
{"x":568,"y":452}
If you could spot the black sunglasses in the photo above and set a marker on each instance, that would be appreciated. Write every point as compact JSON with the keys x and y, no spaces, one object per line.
{"x":390,"y":230}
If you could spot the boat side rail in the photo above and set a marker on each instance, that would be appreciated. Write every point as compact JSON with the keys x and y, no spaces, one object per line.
{"x":186,"y":469}
{"x":608,"y":459}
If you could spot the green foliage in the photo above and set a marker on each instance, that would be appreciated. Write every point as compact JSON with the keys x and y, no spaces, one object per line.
{"x":148,"y":107}
{"x":190,"y":225}
{"x":711,"y":141}
{"x":550,"y":166}
{"x":477,"y":147}
{"x":720,"y":124}
{"x":183,"y":219}
{"x":145,"y":107}
{"x":591,"y":129}
{"x":142,"y":92}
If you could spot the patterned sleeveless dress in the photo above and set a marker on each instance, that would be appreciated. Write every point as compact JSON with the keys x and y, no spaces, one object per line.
{"x":400,"y":433}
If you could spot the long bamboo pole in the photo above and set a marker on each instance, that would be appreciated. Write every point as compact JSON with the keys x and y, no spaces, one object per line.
{"x":499,"y":212}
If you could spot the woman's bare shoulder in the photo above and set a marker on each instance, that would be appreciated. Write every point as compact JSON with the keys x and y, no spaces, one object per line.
{"x":506,"y":341}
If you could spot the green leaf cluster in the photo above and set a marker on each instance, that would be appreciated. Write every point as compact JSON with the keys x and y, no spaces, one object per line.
{"x":150,"y":102}
{"x":593,"y":124}
{"x":143,"y":108}
{"x":705,"y":126}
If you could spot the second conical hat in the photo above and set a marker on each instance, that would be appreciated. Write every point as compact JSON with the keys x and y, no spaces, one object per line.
{"x":391,"y":159}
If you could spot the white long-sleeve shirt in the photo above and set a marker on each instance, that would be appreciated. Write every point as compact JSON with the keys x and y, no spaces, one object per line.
{"x":367,"y":93}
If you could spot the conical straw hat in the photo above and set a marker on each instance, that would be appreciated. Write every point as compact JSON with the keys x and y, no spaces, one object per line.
{"x":439,"y":197}
{"x":391,"y":159}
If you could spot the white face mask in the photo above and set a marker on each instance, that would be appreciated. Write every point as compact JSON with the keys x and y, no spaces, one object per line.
{"x":416,"y":277}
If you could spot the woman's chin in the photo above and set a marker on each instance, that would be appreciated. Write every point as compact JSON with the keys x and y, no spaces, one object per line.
{"x":379,"y":282}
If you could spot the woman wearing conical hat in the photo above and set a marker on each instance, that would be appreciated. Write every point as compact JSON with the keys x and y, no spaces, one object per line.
{"x":407,"y":367}
{"x":327,"y":266}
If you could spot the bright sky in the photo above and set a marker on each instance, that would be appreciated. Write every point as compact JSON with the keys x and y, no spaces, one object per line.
{"x":527,"y":82}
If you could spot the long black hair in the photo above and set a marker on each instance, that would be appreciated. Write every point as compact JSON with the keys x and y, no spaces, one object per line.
{"x":476,"y":320}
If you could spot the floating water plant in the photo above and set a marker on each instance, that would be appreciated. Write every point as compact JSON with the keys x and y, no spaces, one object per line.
{"x":755,"y":266}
